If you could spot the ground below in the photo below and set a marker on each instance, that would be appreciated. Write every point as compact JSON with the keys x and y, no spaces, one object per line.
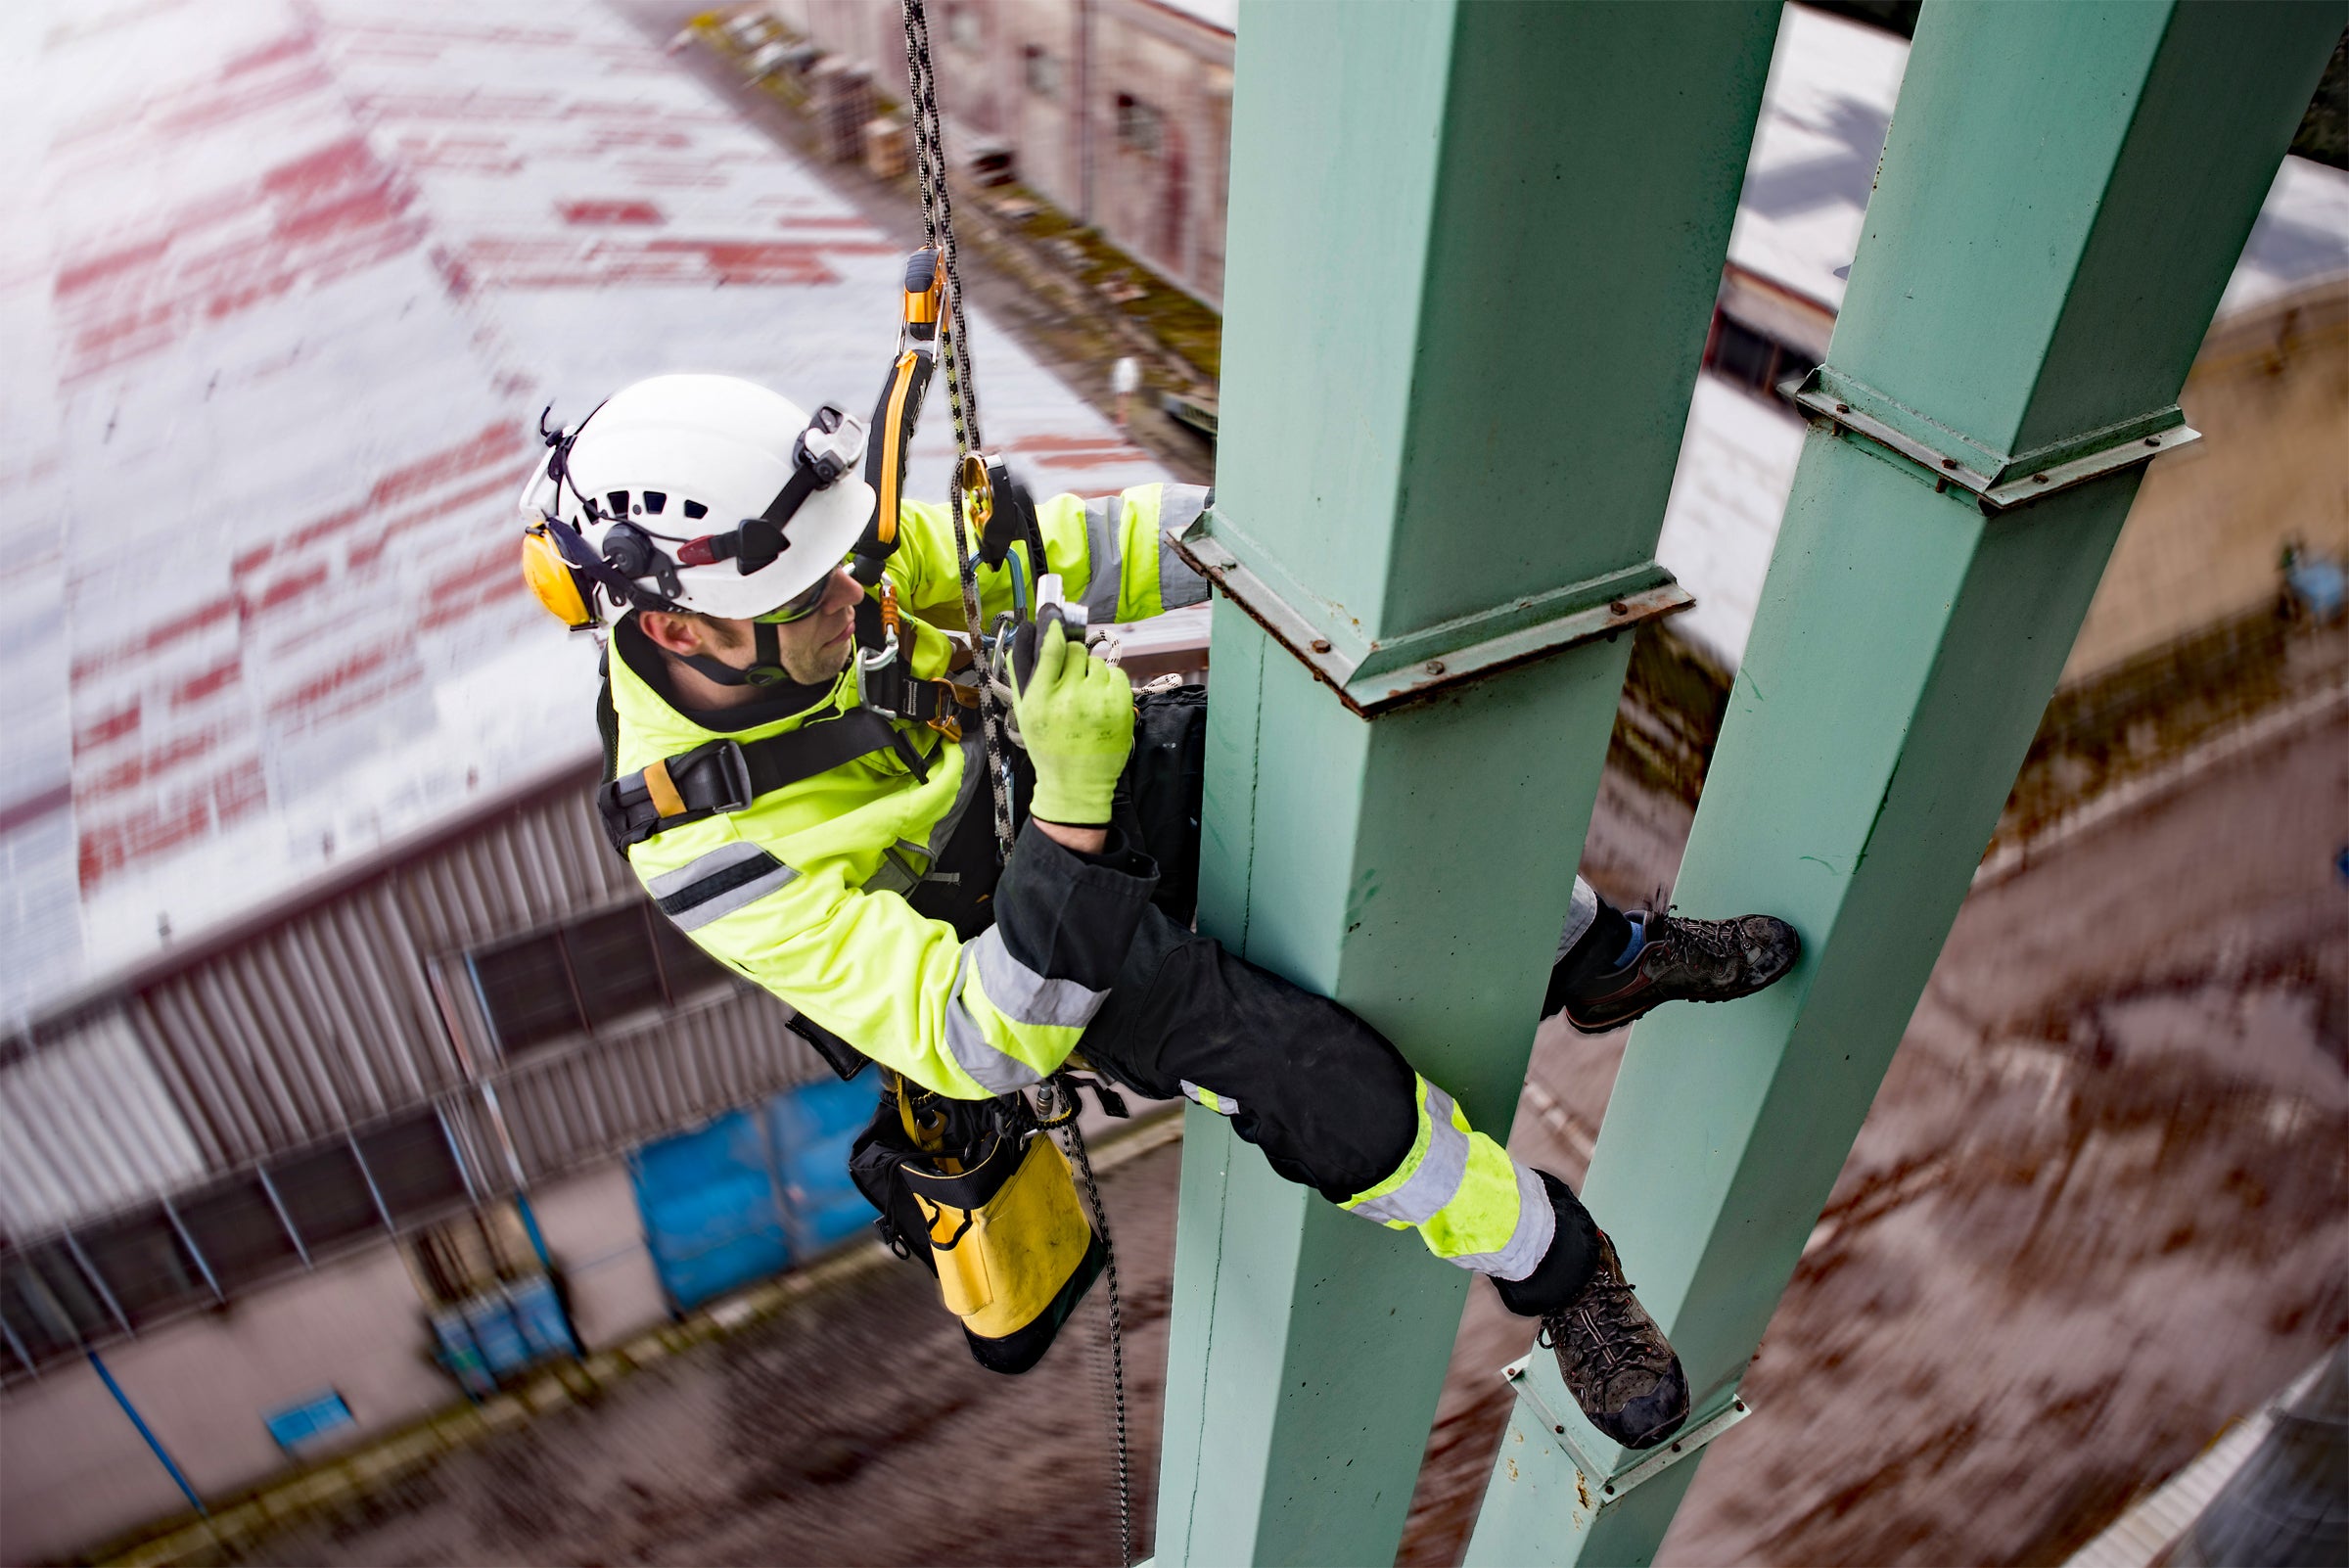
{"x":2097,"y":1213}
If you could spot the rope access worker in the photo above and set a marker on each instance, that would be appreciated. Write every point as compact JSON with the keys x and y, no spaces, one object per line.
{"x":865,"y":893}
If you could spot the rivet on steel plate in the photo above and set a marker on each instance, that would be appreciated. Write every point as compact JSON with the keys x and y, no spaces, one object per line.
{"x":1616,"y":607}
{"x":2152,"y":441}
{"x":2039,"y":479}
{"x":1320,"y":645}
{"x":1435,"y":667}
{"x":1843,"y":408}
{"x":1949,"y":462}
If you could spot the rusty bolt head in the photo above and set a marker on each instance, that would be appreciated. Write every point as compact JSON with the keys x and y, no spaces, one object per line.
{"x":1320,"y":645}
{"x":1843,"y":408}
{"x":1949,"y":462}
{"x":1616,"y":607}
{"x":2039,"y":479}
{"x":1435,"y":667}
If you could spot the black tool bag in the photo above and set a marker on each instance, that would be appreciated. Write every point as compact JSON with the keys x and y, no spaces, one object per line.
{"x":983,"y":1198}
{"x":1158,"y":795}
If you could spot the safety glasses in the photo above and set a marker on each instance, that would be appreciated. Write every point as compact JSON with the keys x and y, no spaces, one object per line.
{"x":798,"y":607}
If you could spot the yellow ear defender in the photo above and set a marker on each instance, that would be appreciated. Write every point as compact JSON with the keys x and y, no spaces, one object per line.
{"x":552,"y":580}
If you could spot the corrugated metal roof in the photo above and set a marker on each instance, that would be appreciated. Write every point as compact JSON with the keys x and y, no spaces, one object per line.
{"x":283,"y":290}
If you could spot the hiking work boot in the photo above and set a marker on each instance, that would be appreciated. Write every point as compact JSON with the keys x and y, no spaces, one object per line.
{"x":1616,"y":1361}
{"x":1686,"y":961}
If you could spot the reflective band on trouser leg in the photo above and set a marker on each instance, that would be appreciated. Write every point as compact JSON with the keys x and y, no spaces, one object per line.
{"x":1008,"y":1026}
{"x":1582,"y":912}
{"x":1471,"y":1203}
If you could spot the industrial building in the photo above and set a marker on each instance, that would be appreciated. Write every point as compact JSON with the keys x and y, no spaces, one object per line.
{"x":1117,"y":112}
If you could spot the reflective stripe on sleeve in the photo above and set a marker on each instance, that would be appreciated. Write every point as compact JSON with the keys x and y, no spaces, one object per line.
{"x":1105,"y":554}
{"x":1024,"y":1000}
{"x":1025,"y":996}
{"x":718,"y":884}
{"x":1177,"y":584}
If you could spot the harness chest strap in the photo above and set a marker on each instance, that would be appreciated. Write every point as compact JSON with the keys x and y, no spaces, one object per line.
{"x":726,"y":775}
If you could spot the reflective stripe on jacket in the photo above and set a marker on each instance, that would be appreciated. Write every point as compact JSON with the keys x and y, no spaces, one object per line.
{"x":802,"y":891}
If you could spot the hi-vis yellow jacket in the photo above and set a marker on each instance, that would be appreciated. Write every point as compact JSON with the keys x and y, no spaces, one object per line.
{"x":804,"y":892}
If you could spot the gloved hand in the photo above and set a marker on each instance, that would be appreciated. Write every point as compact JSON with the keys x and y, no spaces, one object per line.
{"x":1075,"y":714}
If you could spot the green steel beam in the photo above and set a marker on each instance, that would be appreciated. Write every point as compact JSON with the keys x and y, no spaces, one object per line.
{"x":1435,"y":453}
{"x":2063,"y":195}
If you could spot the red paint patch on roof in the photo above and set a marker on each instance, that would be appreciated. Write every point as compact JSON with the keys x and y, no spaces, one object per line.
{"x":219,"y":678}
{"x":170,"y":821}
{"x":336,"y":210}
{"x":603,"y":214}
{"x":157,"y":639}
{"x":143,"y":770}
{"x":366,"y":552}
{"x":75,"y":276}
{"x":323,"y":688}
{"x":106,"y":729}
{"x":291,"y":586}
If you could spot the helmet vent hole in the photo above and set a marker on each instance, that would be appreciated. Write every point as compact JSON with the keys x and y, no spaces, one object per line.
{"x":618,"y":500}
{"x":695,"y":509}
{"x":655,"y":501}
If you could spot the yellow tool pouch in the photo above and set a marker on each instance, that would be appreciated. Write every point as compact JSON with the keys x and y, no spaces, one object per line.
{"x":979,"y":1194}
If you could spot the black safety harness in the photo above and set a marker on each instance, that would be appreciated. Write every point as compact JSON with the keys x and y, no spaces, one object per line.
{"x":724,"y":775}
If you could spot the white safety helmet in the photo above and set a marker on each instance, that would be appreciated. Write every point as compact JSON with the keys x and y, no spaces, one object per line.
{"x":707,"y":493}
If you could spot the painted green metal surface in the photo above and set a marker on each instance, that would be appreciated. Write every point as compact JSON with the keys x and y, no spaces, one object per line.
{"x":2063,"y":193}
{"x":1423,"y":433}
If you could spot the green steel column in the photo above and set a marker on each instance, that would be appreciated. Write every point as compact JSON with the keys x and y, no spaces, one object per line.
{"x":2064,"y":192}
{"x":1474,"y":250}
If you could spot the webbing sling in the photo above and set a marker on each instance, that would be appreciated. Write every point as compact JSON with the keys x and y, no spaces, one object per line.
{"x":726,"y":775}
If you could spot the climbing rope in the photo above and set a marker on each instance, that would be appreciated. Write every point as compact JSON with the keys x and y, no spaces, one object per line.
{"x":938,"y":231}
{"x":1065,"y":1123}
{"x":953,"y":331}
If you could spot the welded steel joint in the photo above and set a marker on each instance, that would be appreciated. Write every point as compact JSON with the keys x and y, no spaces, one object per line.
{"x":1996,"y":481}
{"x":1375,"y":675}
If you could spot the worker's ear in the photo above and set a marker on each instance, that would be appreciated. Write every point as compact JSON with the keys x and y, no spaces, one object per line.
{"x":684,"y":636}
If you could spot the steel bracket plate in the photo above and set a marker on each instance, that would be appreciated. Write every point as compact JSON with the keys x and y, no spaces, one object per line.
{"x":1375,"y":677}
{"x":1608,"y":1487}
{"x":1998,"y":481}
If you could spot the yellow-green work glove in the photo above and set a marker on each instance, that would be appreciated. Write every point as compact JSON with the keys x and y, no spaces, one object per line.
{"x":1076,"y":716}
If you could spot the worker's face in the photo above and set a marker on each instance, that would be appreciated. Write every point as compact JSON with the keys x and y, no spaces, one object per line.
{"x":815,"y":647}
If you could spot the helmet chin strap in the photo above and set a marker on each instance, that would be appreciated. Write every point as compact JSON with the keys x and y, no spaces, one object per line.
{"x":766,"y":667}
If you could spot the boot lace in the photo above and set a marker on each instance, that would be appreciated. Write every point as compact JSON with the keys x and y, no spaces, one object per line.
{"x":1610,"y":1324}
{"x":1712,"y":938}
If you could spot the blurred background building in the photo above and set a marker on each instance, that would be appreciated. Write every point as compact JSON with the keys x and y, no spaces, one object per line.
{"x":1116,"y":112}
